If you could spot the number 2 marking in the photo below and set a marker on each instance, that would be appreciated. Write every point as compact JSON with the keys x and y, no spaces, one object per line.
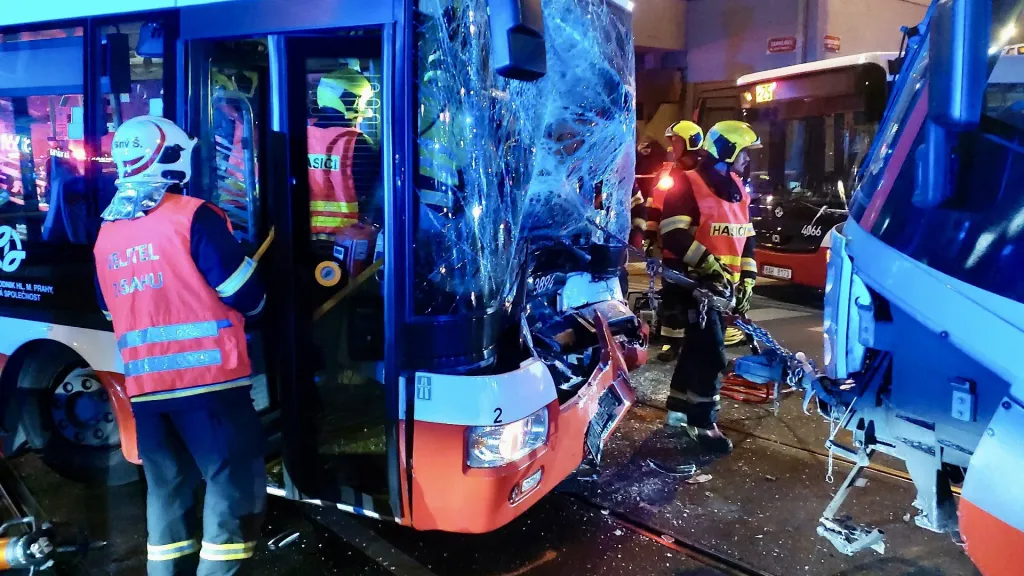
{"x":497,"y":415}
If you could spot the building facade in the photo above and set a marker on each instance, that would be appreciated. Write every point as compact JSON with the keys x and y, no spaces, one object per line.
{"x":685,"y":47}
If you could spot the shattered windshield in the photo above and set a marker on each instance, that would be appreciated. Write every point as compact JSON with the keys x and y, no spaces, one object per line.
{"x":502,"y":161}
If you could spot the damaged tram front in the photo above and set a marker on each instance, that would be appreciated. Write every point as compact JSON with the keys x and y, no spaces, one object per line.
{"x":433,"y":190}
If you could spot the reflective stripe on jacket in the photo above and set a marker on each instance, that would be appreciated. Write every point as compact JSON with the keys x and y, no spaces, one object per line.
{"x":172,"y":330}
{"x":333,"y":203}
{"x":724,"y":226}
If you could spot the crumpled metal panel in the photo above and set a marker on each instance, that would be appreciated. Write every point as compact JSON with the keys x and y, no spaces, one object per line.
{"x":502,"y":161}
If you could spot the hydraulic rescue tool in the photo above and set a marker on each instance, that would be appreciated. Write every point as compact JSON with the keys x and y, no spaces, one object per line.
{"x":27,"y":541}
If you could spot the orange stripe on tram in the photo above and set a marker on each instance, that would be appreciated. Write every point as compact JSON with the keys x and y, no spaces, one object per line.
{"x":993,"y":545}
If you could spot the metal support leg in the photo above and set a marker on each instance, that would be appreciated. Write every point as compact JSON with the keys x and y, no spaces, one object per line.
{"x":847,"y":537}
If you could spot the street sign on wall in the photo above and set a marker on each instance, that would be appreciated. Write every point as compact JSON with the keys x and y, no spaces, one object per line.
{"x":782,"y":44}
{"x":831,"y":43}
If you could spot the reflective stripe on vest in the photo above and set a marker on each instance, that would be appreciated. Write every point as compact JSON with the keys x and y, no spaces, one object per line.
{"x":175,"y":334}
{"x":724,"y":226}
{"x":180,"y":361}
{"x":325,"y":206}
{"x":332,"y":191}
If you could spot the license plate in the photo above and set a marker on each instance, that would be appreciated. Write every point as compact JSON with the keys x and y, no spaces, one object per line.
{"x":774,"y":272}
{"x":607,"y":406}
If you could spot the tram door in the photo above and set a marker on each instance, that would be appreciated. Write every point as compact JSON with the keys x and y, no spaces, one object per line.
{"x":335,"y":87}
{"x":297,"y":149}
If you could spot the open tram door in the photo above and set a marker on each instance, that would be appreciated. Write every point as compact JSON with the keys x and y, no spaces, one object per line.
{"x":291,"y":105}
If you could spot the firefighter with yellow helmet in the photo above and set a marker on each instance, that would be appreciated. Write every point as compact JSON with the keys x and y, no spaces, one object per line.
{"x":339,"y":187}
{"x":686,"y":141}
{"x":706,"y":233}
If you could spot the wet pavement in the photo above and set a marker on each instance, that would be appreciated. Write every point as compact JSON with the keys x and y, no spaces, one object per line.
{"x":759,"y":507}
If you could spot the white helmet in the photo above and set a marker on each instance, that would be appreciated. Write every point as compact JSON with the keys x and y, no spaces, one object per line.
{"x":152,"y":150}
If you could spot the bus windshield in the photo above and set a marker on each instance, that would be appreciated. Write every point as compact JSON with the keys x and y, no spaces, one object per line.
{"x":502,"y":160}
{"x":811,"y":149}
{"x":811,"y":158}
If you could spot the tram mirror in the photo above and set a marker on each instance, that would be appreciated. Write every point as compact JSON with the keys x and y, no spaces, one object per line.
{"x":517,"y":39}
{"x":151,"y":41}
{"x":117,"y":57}
{"x":958,"y":61}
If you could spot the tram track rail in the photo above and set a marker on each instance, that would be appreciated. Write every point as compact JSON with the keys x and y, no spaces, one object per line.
{"x":724,"y":563}
{"x":879,"y":469}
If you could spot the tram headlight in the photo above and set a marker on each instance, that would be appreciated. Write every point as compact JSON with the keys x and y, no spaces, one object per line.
{"x":493,"y":446}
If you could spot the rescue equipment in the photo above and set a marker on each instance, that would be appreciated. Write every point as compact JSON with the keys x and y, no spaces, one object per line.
{"x":28,"y":541}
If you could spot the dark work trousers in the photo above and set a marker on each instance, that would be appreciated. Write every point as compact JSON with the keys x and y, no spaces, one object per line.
{"x":697,"y":379}
{"x":223,"y":444}
{"x":672,"y":312}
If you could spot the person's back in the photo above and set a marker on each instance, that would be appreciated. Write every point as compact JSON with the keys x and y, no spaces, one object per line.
{"x":178,"y":288}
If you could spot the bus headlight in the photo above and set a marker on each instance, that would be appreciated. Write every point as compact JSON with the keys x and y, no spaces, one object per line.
{"x":493,"y":446}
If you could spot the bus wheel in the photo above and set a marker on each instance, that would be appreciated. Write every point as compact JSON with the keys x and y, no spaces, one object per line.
{"x":69,"y":418}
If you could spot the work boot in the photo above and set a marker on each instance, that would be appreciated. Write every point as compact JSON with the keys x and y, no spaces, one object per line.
{"x":675,"y":419}
{"x":669,"y":353}
{"x":710,"y":440}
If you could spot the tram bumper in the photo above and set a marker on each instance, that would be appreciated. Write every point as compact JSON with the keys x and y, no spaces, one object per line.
{"x":451,"y":495}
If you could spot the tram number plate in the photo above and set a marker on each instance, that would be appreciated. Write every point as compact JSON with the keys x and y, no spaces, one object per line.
{"x":607,"y":407}
{"x":774,"y":272}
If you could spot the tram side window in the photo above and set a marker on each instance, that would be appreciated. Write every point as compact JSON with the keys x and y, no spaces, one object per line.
{"x":42,"y":190}
{"x":143,"y":95}
{"x":230,"y":137}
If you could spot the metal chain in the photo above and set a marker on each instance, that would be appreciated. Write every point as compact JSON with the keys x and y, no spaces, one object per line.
{"x":796,"y":371}
{"x":796,"y":367}
{"x":763,"y":335}
{"x":835,"y":425}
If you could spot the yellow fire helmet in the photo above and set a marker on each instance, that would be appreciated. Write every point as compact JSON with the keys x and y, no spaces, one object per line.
{"x":728,"y":138}
{"x":346,"y":91}
{"x":690,"y":132}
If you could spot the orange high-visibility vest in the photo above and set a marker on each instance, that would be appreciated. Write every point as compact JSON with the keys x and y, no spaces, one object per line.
{"x":724,"y":226}
{"x":332,"y":191}
{"x":173,"y":331}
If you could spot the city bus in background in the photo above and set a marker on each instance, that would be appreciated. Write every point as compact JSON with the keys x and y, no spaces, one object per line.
{"x":444,"y":354}
{"x":816,"y":122}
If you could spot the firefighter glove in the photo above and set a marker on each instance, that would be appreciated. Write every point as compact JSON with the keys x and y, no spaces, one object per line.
{"x":715,"y":272}
{"x":744,"y":292}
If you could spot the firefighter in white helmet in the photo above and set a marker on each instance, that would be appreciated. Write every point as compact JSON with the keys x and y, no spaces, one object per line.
{"x":179,"y":288}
